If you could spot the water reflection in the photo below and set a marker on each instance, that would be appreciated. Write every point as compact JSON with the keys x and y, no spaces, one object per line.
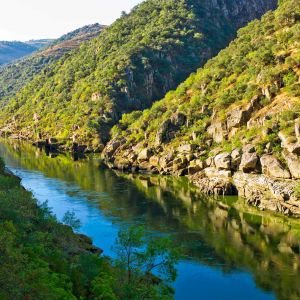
{"x":218,"y":234}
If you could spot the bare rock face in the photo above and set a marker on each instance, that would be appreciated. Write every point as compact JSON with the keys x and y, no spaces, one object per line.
{"x":289,"y":143}
{"x":213,"y":173}
{"x":272,"y":167}
{"x":293,"y":162}
{"x":267,"y":193}
{"x":236,"y":157}
{"x":169,"y":128}
{"x":196,"y":166}
{"x":250,"y":160}
{"x":213,"y":185}
{"x":223,"y":161}
{"x":145,"y":154}
{"x":187,"y":148}
{"x":111,"y":148}
{"x":241,"y":115}
{"x":218,"y":131}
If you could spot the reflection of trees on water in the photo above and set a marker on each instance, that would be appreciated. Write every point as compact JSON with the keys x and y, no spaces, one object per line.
{"x":224,"y":234}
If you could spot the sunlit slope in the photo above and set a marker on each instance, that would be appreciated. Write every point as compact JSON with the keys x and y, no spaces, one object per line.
{"x":133,"y":62}
{"x":248,"y":94}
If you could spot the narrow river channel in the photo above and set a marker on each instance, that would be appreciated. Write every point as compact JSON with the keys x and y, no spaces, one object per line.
{"x":233,"y":252}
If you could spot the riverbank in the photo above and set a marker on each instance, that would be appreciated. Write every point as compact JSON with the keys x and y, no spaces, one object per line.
{"x":40,"y":257}
{"x":259,"y":178}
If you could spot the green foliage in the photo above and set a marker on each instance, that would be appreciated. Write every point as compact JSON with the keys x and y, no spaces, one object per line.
{"x":139,"y":260}
{"x":70,"y":219}
{"x":43,"y":259}
{"x":297,"y":190}
{"x":17,"y":74}
{"x":132,"y":63}
{"x":262,"y":63}
{"x":35,"y":250}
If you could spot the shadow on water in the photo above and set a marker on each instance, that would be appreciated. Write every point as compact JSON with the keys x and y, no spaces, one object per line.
{"x":223,"y":235}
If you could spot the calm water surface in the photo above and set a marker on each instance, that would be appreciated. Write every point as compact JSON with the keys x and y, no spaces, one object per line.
{"x":232,"y":251}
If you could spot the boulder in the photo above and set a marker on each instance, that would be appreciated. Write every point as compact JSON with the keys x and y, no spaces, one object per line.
{"x":272,"y":167}
{"x":236,"y":157}
{"x":289,"y":143}
{"x":196,"y":166}
{"x":188,"y":148}
{"x":223,"y":161}
{"x":213,"y":172}
{"x":169,"y":128}
{"x":145,"y":154}
{"x":139,"y":147}
{"x":218,"y":130}
{"x":179,"y":164}
{"x":293,"y":162}
{"x":238,"y":117}
{"x":162,"y":133}
{"x":154,"y":161}
{"x":250,"y":160}
{"x":111,"y":148}
{"x":166,"y":161}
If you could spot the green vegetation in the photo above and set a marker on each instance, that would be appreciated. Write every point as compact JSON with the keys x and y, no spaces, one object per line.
{"x":17,"y":74}
{"x":262,"y":66}
{"x":43,"y":259}
{"x":140,"y":259}
{"x":132,"y":63}
{"x":297,"y":190}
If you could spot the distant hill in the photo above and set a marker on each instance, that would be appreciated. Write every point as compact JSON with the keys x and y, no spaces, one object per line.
{"x":10,"y":51}
{"x":15,"y":75}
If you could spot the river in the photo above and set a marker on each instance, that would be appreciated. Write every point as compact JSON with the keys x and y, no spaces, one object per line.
{"x":232,"y":251}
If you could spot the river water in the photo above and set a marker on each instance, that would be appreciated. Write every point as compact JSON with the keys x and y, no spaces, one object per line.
{"x":232,"y":251}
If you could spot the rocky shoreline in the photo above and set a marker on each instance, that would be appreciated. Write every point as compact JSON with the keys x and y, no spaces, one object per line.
{"x":263,"y":180}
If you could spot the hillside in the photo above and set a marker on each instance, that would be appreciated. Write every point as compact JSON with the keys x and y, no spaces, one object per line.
{"x":17,"y":74}
{"x":132,"y":63}
{"x":10,"y":51}
{"x":234,"y":125}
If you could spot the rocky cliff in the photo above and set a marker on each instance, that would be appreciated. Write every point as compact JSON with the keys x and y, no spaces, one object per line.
{"x":233,"y":127}
{"x":133,"y":63}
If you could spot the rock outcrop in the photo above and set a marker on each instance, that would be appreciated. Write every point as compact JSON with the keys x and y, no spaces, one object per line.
{"x":263,"y":180}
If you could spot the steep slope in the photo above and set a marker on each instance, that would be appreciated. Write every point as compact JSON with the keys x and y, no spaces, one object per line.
{"x":10,"y":51}
{"x":17,"y":74}
{"x":133,"y":63}
{"x":232,"y":121}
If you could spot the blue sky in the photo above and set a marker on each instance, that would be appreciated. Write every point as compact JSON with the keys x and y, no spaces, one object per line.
{"x":34,"y":19}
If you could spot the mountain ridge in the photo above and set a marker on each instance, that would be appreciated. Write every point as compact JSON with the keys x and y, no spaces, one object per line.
{"x":12,"y":50}
{"x":15,"y":75}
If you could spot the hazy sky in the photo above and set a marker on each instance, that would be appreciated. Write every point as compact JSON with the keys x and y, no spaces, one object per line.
{"x":34,"y":19}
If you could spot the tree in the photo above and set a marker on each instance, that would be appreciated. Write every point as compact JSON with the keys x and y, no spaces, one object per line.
{"x":147,"y":267}
{"x":71,"y":220}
